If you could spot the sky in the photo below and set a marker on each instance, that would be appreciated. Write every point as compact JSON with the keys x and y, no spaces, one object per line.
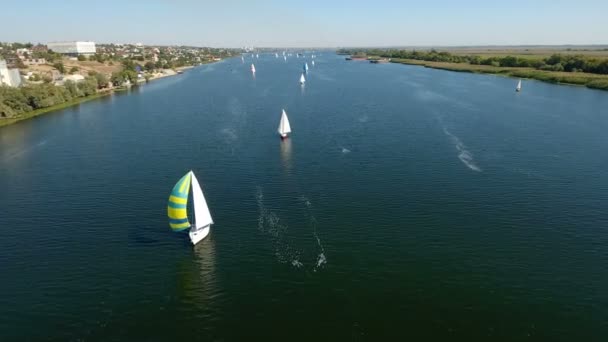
{"x":307,"y":23}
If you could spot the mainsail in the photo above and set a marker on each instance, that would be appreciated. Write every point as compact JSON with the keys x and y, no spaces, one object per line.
{"x":178,"y":201}
{"x":202,"y":216}
{"x":302,"y":79}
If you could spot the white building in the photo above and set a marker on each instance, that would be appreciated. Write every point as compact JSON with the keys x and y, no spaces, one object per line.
{"x":73,"y":48}
{"x":9,"y":77}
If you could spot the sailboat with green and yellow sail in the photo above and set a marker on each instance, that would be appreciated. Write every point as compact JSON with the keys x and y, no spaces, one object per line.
{"x":177,"y":208}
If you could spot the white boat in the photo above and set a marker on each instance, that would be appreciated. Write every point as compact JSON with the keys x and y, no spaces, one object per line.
{"x":518,"y":88}
{"x":276,"y":55}
{"x":305,"y":67}
{"x":302,"y":79}
{"x":257,"y":55}
{"x":284,"y":127}
{"x":242,"y":59}
{"x":178,"y":204}
{"x":252,"y":68}
{"x":312,"y":63}
{"x":285,"y":58}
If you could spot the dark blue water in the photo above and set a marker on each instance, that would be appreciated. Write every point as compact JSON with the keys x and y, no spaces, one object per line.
{"x":409,"y":203}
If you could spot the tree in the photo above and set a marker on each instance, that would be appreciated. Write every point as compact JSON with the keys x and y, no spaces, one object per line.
{"x":73,"y":70}
{"x":82,"y":58}
{"x":149,"y":66}
{"x":59,"y":66}
{"x":102,"y":80}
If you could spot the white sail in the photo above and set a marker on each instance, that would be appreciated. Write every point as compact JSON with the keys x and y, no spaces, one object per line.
{"x":306,"y":66}
{"x":518,"y":88}
{"x":285,"y":58}
{"x":276,"y":55}
{"x":313,"y":63}
{"x":257,"y":55}
{"x":202,"y":216}
{"x":302,"y":79}
{"x":284,"y":126}
{"x":252,"y":68}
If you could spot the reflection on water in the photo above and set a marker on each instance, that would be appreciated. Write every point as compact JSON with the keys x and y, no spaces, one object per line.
{"x":198,"y":280}
{"x":286,"y":153}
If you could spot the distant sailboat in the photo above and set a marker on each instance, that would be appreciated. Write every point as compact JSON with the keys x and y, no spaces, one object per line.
{"x":285,"y":58}
{"x":276,"y":55}
{"x":177,"y":208}
{"x":242,"y":59}
{"x":257,"y":55}
{"x":284,"y":127}
{"x":305,"y":67}
{"x":252,"y":68}
{"x":518,"y":88}
{"x":313,"y":63}
{"x":302,"y":79}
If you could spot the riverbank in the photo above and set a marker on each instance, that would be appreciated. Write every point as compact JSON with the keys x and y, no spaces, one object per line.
{"x":37,"y":112}
{"x":40,"y":111}
{"x":589,"y":80}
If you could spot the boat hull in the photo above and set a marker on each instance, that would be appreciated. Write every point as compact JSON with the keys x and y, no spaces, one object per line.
{"x":284,"y":136}
{"x":197,"y":236}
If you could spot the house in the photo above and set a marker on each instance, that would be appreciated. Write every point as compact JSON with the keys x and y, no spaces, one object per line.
{"x":73,"y":48}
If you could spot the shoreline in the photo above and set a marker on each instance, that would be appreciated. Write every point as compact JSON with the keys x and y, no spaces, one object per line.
{"x":592,"y":81}
{"x":40,"y":111}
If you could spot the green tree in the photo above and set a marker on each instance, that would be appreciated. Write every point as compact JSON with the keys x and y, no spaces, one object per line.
{"x":73,"y":70}
{"x":149,"y":66}
{"x":82,"y":58}
{"x":59,"y":66}
{"x":102,"y":80}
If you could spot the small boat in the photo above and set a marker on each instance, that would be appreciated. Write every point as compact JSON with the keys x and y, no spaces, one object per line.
{"x":305,"y":67}
{"x":312,"y":63}
{"x":252,"y":68}
{"x":302,"y":79}
{"x":242,"y":59}
{"x":257,"y":55}
{"x":285,"y":58}
{"x":518,"y":88}
{"x":178,"y":205}
{"x":284,"y":127}
{"x":276,"y":55}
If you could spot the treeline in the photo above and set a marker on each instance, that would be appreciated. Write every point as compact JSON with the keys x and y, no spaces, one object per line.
{"x":556,"y":62}
{"x":16,"y":101}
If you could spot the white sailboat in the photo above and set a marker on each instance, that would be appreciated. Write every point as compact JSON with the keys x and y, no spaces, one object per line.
{"x":252,"y":68}
{"x":518,"y":88}
{"x":302,"y":79}
{"x":313,"y":63}
{"x":257,"y":55}
{"x":284,"y":127}
{"x":276,"y":55}
{"x":285,"y":58}
{"x":177,"y":208}
{"x":242,"y":59}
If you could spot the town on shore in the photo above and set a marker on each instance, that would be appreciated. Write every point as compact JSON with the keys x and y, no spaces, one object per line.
{"x":35,"y":78}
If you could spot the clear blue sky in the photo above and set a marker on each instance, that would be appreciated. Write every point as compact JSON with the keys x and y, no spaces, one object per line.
{"x":318,"y":23}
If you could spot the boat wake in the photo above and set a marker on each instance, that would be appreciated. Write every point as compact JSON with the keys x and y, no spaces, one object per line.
{"x":270,"y":225}
{"x":26,"y":150}
{"x":345,"y":150}
{"x":321,"y":259}
{"x":464,"y":155}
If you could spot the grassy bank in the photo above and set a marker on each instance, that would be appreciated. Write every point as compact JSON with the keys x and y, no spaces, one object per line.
{"x":34,"y":113}
{"x":595,"y":81}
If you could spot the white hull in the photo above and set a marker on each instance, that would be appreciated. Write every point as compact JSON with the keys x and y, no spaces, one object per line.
{"x":197,"y":235}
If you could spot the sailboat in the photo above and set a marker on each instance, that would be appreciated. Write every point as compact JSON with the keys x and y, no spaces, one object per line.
{"x":285,"y":58}
{"x":302,"y":79}
{"x":242,"y":59}
{"x":518,"y":88}
{"x":313,"y":63}
{"x":177,"y":209}
{"x":276,"y":55}
{"x":252,"y":68}
{"x":257,"y":55}
{"x":284,"y":127}
{"x":305,"y":67}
